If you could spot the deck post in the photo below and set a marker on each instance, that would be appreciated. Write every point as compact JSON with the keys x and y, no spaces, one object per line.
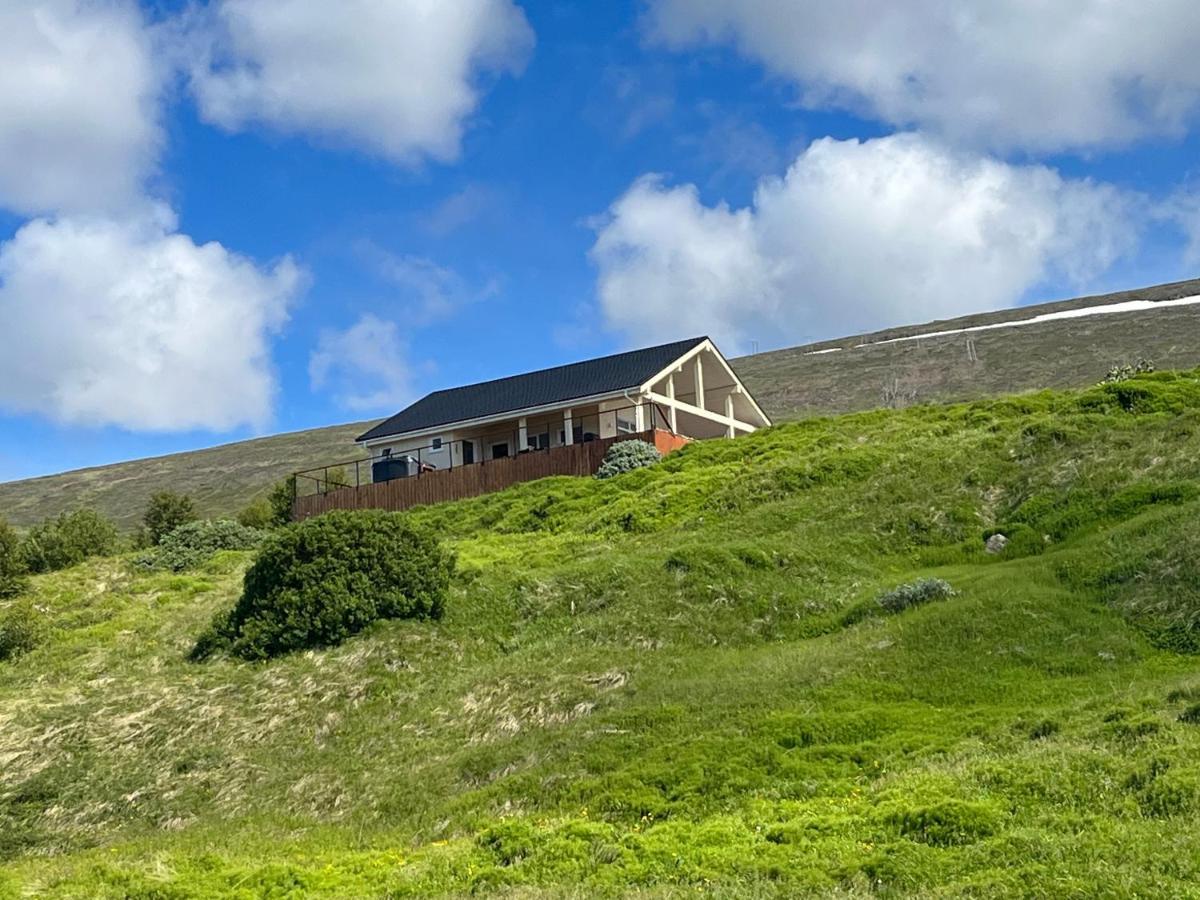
{"x":568,"y":427}
{"x":522,"y":434}
{"x":700,"y":381}
{"x":672,"y":412}
{"x":729,"y":432}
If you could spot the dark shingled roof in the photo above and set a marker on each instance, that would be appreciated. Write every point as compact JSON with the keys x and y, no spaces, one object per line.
{"x":605,"y":375}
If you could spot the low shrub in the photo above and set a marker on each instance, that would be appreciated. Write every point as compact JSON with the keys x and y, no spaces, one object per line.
{"x":189,"y":545}
{"x":19,"y":630}
{"x":318,"y":582}
{"x":166,"y":512}
{"x":627,"y":456}
{"x":68,"y":540}
{"x":916,"y":593}
{"x":1117,"y":374}
{"x":12,"y":563}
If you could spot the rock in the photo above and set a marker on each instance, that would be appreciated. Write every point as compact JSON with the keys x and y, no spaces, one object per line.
{"x":996,"y":543}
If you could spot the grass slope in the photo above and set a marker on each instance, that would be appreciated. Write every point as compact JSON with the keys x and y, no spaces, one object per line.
{"x":674,"y":682}
{"x":222,"y":480}
{"x":790,"y":384}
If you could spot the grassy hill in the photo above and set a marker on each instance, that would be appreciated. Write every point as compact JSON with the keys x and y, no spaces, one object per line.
{"x":222,"y":480}
{"x":674,"y":683}
{"x":866,"y":372}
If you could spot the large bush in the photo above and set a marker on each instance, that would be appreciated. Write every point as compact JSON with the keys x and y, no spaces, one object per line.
{"x":191,"y":544}
{"x":12,"y":562}
{"x":68,"y":540}
{"x":318,"y":582}
{"x":627,"y":456}
{"x":166,"y":512}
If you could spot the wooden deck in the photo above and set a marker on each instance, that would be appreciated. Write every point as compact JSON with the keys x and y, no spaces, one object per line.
{"x":477,"y":479}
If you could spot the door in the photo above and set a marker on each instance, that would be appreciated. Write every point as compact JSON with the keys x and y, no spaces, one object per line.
{"x":468,"y":448}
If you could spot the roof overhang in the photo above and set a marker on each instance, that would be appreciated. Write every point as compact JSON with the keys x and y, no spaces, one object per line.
{"x":434,"y":430}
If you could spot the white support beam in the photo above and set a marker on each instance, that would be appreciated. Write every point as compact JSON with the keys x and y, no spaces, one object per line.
{"x":639,"y":417}
{"x":522,"y":434}
{"x":568,"y":427}
{"x":700,"y":380}
{"x":729,"y":432}
{"x":702,"y":413}
{"x":672,"y":414}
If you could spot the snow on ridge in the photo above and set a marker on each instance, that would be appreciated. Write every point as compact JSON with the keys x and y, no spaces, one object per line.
{"x":1124,"y":306}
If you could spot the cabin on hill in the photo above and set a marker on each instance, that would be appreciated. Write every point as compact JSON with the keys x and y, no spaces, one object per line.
{"x":472,"y":440}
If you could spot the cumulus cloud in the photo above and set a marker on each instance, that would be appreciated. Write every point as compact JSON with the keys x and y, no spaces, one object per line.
{"x":79,"y":95}
{"x":365,"y":365}
{"x":856,"y":236}
{"x":129,"y":323}
{"x":1008,"y":73}
{"x":397,"y":79}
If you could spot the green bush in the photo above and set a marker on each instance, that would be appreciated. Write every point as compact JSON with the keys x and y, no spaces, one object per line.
{"x":945,"y":823}
{"x":257,"y":514}
{"x":923,"y":590}
{"x":19,"y":630}
{"x":279,"y":503}
{"x":318,"y":582}
{"x":166,"y":512}
{"x":627,"y":456}
{"x":12,"y":563}
{"x":191,"y":544}
{"x":68,"y":540}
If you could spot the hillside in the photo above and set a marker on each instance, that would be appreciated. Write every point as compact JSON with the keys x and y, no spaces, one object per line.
{"x":902,"y":366}
{"x":892,"y":367}
{"x":222,"y":480}
{"x":677,"y":682}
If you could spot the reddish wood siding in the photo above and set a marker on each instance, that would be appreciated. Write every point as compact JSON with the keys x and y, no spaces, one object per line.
{"x":477,"y":479}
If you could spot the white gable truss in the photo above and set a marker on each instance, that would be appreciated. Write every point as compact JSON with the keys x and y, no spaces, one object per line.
{"x":702,"y":389}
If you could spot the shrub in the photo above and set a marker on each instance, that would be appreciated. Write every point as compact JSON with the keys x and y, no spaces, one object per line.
{"x":627,"y":456}
{"x":19,"y":631}
{"x":320,"y":581}
{"x":280,"y":500}
{"x":920,"y":591}
{"x":944,"y":823}
{"x":1117,"y":374}
{"x":69,"y":540}
{"x":258,"y":514}
{"x":191,"y":544}
{"x":12,"y":562}
{"x":166,"y":512}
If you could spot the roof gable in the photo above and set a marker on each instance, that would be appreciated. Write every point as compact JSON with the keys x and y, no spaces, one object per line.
{"x":605,"y":375}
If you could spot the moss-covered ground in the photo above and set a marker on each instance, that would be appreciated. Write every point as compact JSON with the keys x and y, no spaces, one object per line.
{"x":672,"y":683}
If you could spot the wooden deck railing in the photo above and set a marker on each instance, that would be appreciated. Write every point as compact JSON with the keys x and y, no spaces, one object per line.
{"x":478,"y":479}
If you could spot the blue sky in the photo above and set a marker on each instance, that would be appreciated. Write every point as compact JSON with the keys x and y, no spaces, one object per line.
{"x":241,"y":217}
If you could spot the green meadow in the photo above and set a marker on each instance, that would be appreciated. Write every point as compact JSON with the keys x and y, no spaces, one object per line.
{"x":676,"y":682}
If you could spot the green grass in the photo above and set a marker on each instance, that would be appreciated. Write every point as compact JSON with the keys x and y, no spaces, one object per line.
{"x":672,"y":683}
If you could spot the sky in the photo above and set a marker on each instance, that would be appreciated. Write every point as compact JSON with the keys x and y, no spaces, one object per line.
{"x":232,"y":218}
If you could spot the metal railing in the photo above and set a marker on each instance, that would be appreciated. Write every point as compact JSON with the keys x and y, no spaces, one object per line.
{"x":541,"y":434}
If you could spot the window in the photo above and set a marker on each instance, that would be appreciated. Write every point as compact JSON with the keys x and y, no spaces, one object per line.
{"x":625,"y":426}
{"x":386,"y":452}
{"x":435,"y":444}
{"x":539,"y":442}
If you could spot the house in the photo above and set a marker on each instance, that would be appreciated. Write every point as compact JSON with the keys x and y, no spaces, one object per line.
{"x":472,"y":440}
{"x":686,"y":388}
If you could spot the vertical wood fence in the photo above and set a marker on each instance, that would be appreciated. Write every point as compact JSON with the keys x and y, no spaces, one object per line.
{"x":478,"y":479}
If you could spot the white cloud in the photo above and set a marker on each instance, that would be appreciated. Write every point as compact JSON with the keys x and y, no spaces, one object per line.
{"x":396,"y":78}
{"x":1008,"y":73}
{"x":128,"y":323}
{"x":365,"y":365}
{"x":79,"y":94}
{"x":856,"y":236}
